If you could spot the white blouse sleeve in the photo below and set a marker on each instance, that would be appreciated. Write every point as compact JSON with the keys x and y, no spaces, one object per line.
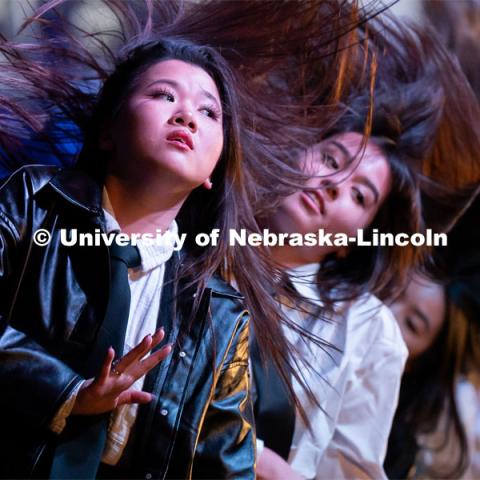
{"x":359,"y":442}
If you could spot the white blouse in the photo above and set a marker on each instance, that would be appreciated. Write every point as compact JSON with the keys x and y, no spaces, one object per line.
{"x":358,"y":386}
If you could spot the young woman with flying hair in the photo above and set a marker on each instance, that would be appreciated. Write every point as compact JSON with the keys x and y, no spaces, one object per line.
{"x":51,"y":373}
{"x":171,"y":136}
{"x":356,"y":381}
{"x":433,"y":432}
{"x":355,"y":183}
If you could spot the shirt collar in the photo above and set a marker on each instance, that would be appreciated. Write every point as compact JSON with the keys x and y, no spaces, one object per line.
{"x":304,"y":280}
{"x":152,"y":255}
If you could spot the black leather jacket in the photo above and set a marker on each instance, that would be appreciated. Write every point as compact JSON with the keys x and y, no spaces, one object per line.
{"x":52,"y":297}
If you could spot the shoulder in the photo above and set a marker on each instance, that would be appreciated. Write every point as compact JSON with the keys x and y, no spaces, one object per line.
{"x":372,"y":324}
{"x":227,"y":307}
{"x":222,"y":288}
{"x":30,"y":177}
{"x":17,"y":195}
{"x":230,"y":322}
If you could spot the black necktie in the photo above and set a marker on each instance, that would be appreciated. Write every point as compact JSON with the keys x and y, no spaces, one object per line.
{"x":274,"y":411}
{"x":81,"y":445}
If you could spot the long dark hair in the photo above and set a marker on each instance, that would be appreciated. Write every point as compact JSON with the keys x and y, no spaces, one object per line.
{"x":267,"y":111}
{"x":427,"y":391}
{"x":424,"y":118}
{"x":404,"y":121}
{"x":203,"y":210}
{"x":457,"y":26}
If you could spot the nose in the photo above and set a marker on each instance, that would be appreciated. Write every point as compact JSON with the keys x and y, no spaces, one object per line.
{"x":184,"y":118}
{"x":332,"y":190}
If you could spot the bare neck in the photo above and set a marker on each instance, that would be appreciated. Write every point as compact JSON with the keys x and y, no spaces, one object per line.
{"x":142,"y":207}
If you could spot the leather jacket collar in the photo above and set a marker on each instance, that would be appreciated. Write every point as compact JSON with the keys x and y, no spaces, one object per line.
{"x":78,"y":188}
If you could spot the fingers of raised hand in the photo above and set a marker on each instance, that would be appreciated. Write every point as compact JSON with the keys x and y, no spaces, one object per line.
{"x":154,"y":359}
{"x":138,"y":352}
{"x":106,"y":366}
{"x":157,"y":337}
{"x":135,"y":353}
{"x":133,"y":366}
{"x":142,"y":367}
{"x":133,"y":396}
{"x":112,"y":386}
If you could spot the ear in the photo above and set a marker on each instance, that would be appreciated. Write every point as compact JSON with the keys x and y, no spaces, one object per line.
{"x":105,"y":141}
{"x":207,"y":184}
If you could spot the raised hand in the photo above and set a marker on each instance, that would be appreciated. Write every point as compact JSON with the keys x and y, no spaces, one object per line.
{"x":112,"y":387}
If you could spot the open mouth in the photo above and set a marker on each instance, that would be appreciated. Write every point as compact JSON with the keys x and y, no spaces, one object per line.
{"x":181,"y":139}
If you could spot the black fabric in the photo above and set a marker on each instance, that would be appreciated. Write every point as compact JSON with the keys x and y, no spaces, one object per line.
{"x":80,"y":449}
{"x":402,"y":450}
{"x":274,"y":411}
{"x":53,"y":300}
{"x":113,"y":472}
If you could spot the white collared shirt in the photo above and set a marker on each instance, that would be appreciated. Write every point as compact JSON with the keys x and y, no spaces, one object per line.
{"x":358,"y":387}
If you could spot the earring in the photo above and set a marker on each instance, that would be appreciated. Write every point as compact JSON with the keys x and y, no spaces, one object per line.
{"x":208,"y":184}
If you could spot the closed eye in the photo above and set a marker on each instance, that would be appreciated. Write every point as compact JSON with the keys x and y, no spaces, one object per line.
{"x":411,"y":325}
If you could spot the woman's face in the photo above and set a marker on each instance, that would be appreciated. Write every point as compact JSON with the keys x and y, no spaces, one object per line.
{"x":343,"y":202}
{"x":171,"y":126}
{"x":420,"y":313}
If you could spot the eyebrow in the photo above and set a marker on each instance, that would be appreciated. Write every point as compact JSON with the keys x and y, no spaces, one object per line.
{"x":344,"y":151}
{"x":422,"y":317}
{"x":176,"y":85}
{"x":362,"y":179}
{"x":212,"y":97}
